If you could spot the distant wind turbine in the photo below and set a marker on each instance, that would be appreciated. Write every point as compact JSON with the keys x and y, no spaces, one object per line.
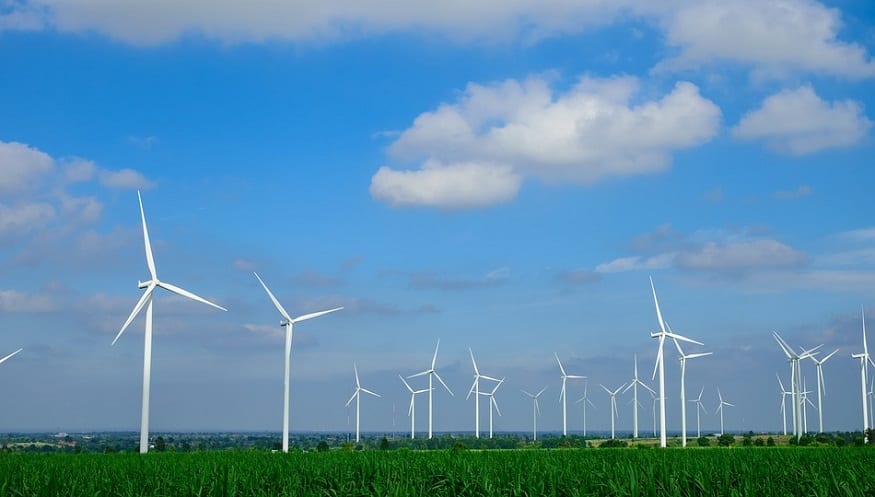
{"x":795,"y":379}
{"x":492,"y":403}
{"x":432,"y":372}
{"x":720,"y":408}
{"x":411,"y":411}
{"x":784,"y":394}
{"x":662,"y":334}
{"x":585,"y":400}
{"x":536,"y":411}
{"x":614,"y":413}
{"x":634,"y":386}
{"x":146,"y":301}
{"x":683,"y":359}
{"x":821,"y":387}
{"x":563,"y":394}
{"x":288,"y":324}
{"x":699,"y":408}
{"x":357,"y":395}
{"x":865,"y":360}
{"x":475,"y":389}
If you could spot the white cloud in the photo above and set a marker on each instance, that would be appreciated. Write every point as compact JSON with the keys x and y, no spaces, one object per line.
{"x":798,"y":122}
{"x":740,"y":256}
{"x":244,"y":264}
{"x":125,"y":178}
{"x":79,"y":170}
{"x":21,"y":165}
{"x":477,"y":150}
{"x":802,"y":191}
{"x":776,"y":37}
{"x":859,"y":235}
{"x":15,"y":301}
{"x":635,"y":263}
{"x":458,"y":185}
{"x":25,"y":217}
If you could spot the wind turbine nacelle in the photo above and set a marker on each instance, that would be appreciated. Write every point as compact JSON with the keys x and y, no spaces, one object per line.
{"x":284,"y":323}
{"x":142,"y":284}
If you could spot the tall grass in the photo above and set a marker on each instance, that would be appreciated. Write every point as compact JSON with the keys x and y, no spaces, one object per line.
{"x":620,"y":472}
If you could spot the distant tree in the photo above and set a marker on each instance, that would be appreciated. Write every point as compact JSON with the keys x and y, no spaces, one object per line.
{"x":384,"y":444}
{"x":613,"y":443}
{"x":726,"y":440}
{"x":704,"y":442}
{"x":160,"y":444}
{"x":459,"y":445}
{"x":346,"y":446}
{"x":770,"y":442}
{"x":322,"y":446}
{"x":759,"y":442}
{"x":746,"y":441}
{"x":805,"y":440}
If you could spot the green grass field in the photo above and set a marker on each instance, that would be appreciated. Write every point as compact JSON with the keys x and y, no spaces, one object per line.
{"x":818,"y":471}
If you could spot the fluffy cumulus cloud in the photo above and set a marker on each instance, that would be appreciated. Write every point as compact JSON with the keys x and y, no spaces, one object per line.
{"x":21,"y":166}
{"x":798,"y":122}
{"x":476,"y":150}
{"x":776,"y":37}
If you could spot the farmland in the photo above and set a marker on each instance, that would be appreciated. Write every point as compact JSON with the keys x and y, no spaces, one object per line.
{"x":695,"y":471}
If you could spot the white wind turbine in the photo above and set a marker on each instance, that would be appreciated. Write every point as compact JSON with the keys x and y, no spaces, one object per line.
{"x":634,"y":386}
{"x":699,"y":408}
{"x":563,"y":395}
{"x":805,"y":400}
{"x":9,"y":356}
{"x":432,"y":372}
{"x":146,"y":301}
{"x":614,"y":413}
{"x":720,"y":408}
{"x":821,"y":386}
{"x":411,"y":411}
{"x":653,"y":399}
{"x":784,"y":394}
{"x":492,"y":403}
{"x":475,"y":389}
{"x":795,"y":379}
{"x":865,"y":360}
{"x":683,"y":359}
{"x":288,"y":324}
{"x":871,"y":394}
{"x":662,"y":334}
{"x":585,"y":400}
{"x":536,"y":411}
{"x":358,"y":397}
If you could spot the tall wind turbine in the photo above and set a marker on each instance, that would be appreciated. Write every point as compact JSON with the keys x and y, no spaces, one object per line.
{"x":357,"y":395}
{"x":784,"y":394}
{"x":821,"y":386}
{"x":720,"y":408}
{"x":662,"y":334}
{"x":411,"y":411}
{"x":865,"y":360}
{"x":871,"y":394}
{"x":634,"y":386}
{"x":475,"y":389}
{"x":614,"y":413}
{"x":432,"y":372}
{"x":536,"y":411}
{"x":699,"y":408}
{"x":683,"y":359}
{"x":585,"y":400}
{"x":562,"y":394}
{"x":146,"y":301}
{"x":9,"y":356}
{"x":492,"y":403}
{"x":288,"y":324}
{"x":795,"y":379}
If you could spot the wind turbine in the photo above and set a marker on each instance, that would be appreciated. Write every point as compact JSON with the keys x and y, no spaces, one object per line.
{"x":492,"y":403}
{"x":9,"y":356}
{"x":358,"y":397}
{"x":661,"y":335}
{"x":821,"y":386}
{"x":699,"y":408}
{"x":146,"y":301}
{"x":634,"y":386}
{"x":871,"y":394}
{"x":864,"y":359}
{"x":562,"y":394}
{"x":288,"y":324}
{"x":614,"y":413}
{"x":805,"y":399}
{"x":536,"y":411}
{"x":475,"y":389}
{"x":683,"y":359}
{"x":432,"y":372}
{"x":653,"y":411}
{"x":585,"y":400}
{"x":795,"y":379}
{"x":411,"y":411}
{"x":720,"y":408}
{"x":784,"y":394}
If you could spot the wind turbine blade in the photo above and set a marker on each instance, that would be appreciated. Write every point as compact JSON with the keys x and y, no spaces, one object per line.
{"x":658,"y":357}
{"x":494,"y":403}
{"x":618,"y":389}
{"x":731,"y":405}
{"x":471,"y":390}
{"x":276,"y":303}
{"x":677,"y":345}
{"x":365,"y":390}
{"x":314,"y":315}
{"x":647,"y":388}
{"x":351,"y":398}
{"x":560,"y":363}
{"x":473,"y":362}
{"x":719,"y":395}
{"x":700,"y":394}
{"x":828,"y":356}
{"x":656,"y":302}
{"x":436,"y":375}
{"x":490,"y":378}
{"x":631,"y":384}
{"x":354,"y":368}
{"x":575,"y":377}
{"x":699,"y":354}
{"x":783,"y":390}
{"x":788,"y":351}
{"x":137,"y":308}
{"x":406,"y":384}
{"x":10,"y":355}
{"x":540,"y":392}
{"x":495,"y":389}
{"x":434,"y":358}
{"x":185,"y":293}
{"x":606,"y":389}
{"x":423,"y":373}
{"x":150,"y":261}
{"x":683,"y":338}
{"x":537,"y":407}
{"x":562,"y":391}
{"x":410,"y":409}
{"x":527,"y":393}
{"x":865,"y":347}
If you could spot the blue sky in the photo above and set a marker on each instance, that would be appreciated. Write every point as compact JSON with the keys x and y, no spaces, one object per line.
{"x":501,"y":175}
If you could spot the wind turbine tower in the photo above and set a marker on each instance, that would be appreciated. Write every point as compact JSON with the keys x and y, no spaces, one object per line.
{"x":563,"y":394}
{"x":536,"y":411}
{"x":821,"y":387}
{"x":357,"y":396}
{"x":634,"y":386}
{"x":614,"y":413}
{"x":432,"y":372}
